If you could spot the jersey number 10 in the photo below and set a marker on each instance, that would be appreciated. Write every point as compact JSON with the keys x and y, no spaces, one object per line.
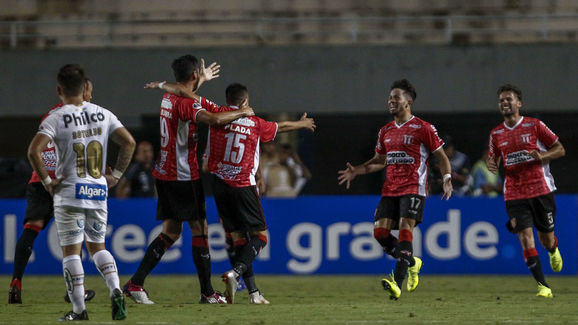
{"x":89,"y":159}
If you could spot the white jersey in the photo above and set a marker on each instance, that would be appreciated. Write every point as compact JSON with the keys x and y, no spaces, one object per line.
{"x":80,"y":135}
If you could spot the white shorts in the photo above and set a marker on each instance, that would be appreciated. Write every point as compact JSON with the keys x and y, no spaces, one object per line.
{"x":75,"y":224}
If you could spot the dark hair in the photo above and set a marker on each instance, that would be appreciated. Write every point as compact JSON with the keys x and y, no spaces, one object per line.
{"x":236,"y":94}
{"x":71,"y":79}
{"x":184,"y":67}
{"x":406,"y":86}
{"x":512,"y":88}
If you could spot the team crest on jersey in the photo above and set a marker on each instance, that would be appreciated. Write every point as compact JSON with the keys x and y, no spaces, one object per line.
{"x":95,"y":192}
{"x":517,"y":157}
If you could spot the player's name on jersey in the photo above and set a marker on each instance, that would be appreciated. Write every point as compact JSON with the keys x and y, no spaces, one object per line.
{"x":86,"y":133}
{"x":82,"y":118}
{"x":238,"y":128}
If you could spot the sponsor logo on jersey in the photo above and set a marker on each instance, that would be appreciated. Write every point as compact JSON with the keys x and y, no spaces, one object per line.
{"x":518,"y":157}
{"x":82,"y":118}
{"x":166,"y":103}
{"x":527,"y":124}
{"x":415,"y":126}
{"x":399,"y":157}
{"x":226,"y":171}
{"x":505,"y":143}
{"x":244,"y":121}
{"x":498,"y":131}
{"x":96,"y":192}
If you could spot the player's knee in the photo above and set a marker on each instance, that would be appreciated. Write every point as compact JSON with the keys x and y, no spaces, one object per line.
{"x":380,"y":234}
{"x":172,"y":235}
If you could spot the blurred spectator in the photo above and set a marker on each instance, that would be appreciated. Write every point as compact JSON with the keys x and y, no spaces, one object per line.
{"x":485,"y":182}
{"x":461,"y":178}
{"x":286,"y":175}
{"x":138,"y":180}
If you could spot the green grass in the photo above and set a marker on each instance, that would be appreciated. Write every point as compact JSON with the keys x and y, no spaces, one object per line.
{"x":317,"y":300}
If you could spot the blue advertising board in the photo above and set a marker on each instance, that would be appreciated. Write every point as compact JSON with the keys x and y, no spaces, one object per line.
{"x":315,"y":235}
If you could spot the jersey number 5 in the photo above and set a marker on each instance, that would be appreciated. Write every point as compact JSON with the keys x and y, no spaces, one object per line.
{"x":234,"y":142}
{"x":89,"y":159}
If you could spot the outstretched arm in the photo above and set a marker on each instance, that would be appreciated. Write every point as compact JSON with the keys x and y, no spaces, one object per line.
{"x":373,"y":165}
{"x":303,"y":123}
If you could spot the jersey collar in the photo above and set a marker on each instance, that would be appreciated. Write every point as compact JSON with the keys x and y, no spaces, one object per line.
{"x":515,"y":125}
{"x":404,"y":123}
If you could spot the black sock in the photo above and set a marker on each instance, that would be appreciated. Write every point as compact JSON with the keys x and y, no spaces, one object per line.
{"x":404,"y":261}
{"x":249,"y":278}
{"x":534,"y":265}
{"x":202,"y":259}
{"x":153,"y":255}
{"x":250,"y":251}
{"x":390,"y":246}
{"x":23,"y":251}
{"x":231,"y":251}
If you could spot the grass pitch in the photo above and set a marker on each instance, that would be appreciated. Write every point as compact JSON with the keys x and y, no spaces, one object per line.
{"x":316,"y":300}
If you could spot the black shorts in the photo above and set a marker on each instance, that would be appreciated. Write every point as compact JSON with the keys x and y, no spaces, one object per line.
{"x":181,"y":200}
{"x":395,"y":207}
{"x":539,"y":212}
{"x":239,"y":207}
{"x":39,"y":204}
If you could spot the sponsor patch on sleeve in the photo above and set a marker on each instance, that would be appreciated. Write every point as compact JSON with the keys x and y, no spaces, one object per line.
{"x":96,"y":192}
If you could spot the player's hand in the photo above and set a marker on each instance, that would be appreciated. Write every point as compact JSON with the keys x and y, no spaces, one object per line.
{"x":153,"y":84}
{"x":346,"y":175}
{"x":448,"y":189}
{"x":492,"y":165}
{"x":536,"y":155}
{"x":111,"y":181}
{"x":246,"y":109}
{"x":210,"y":72}
{"x":261,"y":187}
{"x":308,"y":122}
{"x":51,"y":188}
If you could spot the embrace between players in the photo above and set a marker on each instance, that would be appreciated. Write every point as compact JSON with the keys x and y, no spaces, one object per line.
{"x":403,"y":148}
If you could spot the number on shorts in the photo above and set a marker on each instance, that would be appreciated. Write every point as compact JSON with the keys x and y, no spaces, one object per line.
{"x":414,"y":203}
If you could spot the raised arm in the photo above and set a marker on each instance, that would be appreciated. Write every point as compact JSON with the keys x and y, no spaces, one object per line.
{"x":373,"y":165}
{"x":35,"y":148}
{"x":303,"y":123}
{"x":446,"y":170}
{"x":124,"y":139}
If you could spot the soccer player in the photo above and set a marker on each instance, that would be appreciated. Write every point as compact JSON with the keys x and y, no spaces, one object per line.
{"x":180,"y":191}
{"x":233,"y":157}
{"x":403,"y":147}
{"x":526,"y":146}
{"x":39,"y":212}
{"x":80,"y":132}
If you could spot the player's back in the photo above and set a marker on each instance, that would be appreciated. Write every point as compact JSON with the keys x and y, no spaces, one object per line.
{"x":177,"y":159}
{"x":233,"y":149}
{"x":80,"y":135}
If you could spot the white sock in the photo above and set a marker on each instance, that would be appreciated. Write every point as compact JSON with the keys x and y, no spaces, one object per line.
{"x":107,"y":267}
{"x":74,"y":279}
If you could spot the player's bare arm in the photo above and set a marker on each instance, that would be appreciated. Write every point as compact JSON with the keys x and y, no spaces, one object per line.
{"x":205,"y":74}
{"x":554,"y":152}
{"x":303,"y":123}
{"x":124,"y":139}
{"x":223,"y":118}
{"x":373,"y":165}
{"x":35,"y":148}
{"x":446,"y":169}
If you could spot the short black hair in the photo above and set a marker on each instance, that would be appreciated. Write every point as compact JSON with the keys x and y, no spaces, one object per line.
{"x":71,"y":79}
{"x":406,"y":86}
{"x":184,"y":67}
{"x":512,"y":88}
{"x":236,"y":94}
